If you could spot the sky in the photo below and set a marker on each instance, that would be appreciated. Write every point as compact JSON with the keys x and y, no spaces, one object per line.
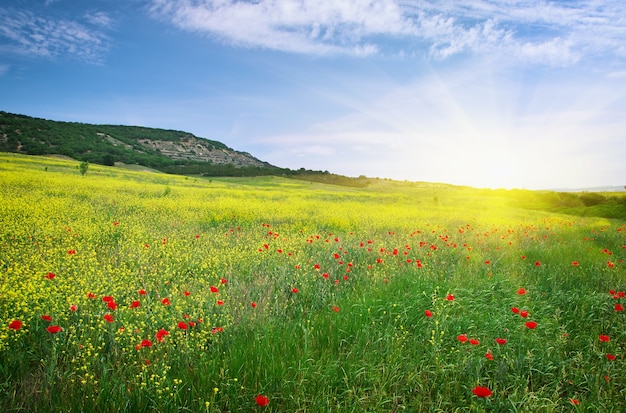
{"x":487,"y":93}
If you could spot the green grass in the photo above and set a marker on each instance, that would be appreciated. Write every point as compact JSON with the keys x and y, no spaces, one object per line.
{"x":355,"y":250}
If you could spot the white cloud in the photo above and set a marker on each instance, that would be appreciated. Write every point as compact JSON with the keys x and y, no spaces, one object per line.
{"x":533,"y":30}
{"x":27,"y":33}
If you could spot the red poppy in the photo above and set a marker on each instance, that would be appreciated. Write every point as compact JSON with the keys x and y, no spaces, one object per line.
{"x":474,"y":342}
{"x":165,"y":301}
{"x":610,"y":264}
{"x":141,"y":292}
{"x":112,"y":305}
{"x":482,"y":391}
{"x":610,"y":357}
{"x":107,"y":298}
{"x":108,"y":318}
{"x":523,"y":313}
{"x":220,"y":302}
{"x":619,"y":307}
{"x":501,"y":341}
{"x":182,"y":325}
{"x":537,"y":263}
{"x":294,"y":290}
{"x":531,"y":324}
{"x":73,"y":307}
{"x":604,"y":339}
{"x":262,"y":400}
{"x":135,"y":304}
{"x":462,"y":338}
{"x":146,"y":343}
{"x":15,"y":325}
{"x":521,"y":291}
{"x":46,"y":318}
{"x":575,"y":263}
{"x":335,"y":309}
{"x":325,"y":275}
{"x":489,"y":356}
{"x":515,"y":310}
{"x":91,"y":295}
{"x":71,"y":252}
{"x":54,"y":329}
{"x":574,"y":401}
{"x":186,"y":293}
{"x":450,"y":297}
{"x":50,"y":275}
{"x":213,"y":289}
{"x":160,"y":334}
{"x":428,"y":313}
{"x":253,"y":304}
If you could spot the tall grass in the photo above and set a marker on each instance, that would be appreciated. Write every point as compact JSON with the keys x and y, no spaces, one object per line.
{"x":314,"y":296}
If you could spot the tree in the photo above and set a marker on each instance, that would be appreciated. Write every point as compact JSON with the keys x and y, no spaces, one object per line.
{"x":83,"y":167}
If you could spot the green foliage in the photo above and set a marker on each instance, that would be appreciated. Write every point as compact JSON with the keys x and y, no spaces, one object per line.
{"x":83,"y":168}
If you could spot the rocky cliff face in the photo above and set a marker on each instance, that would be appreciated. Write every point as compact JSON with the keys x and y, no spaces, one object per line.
{"x":197,"y":149}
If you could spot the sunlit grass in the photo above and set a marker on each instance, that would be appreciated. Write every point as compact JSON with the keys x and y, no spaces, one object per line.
{"x":311,"y":295}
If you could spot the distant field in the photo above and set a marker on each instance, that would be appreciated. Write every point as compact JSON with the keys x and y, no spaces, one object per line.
{"x":124,"y":290}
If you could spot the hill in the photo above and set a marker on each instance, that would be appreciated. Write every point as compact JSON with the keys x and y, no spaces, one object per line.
{"x":165,"y":150}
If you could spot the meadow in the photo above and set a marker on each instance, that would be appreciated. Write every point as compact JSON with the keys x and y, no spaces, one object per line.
{"x":124,"y":290}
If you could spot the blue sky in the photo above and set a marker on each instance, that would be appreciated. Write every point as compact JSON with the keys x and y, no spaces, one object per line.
{"x":488,"y":93}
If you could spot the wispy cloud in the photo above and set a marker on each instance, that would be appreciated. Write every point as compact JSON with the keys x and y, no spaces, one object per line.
{"x":557,"y":33}
{"x":23,"y":32}
{"x":3,"y":69}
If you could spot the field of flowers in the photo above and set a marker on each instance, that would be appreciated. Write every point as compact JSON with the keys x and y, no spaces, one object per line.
{"x":133,"y":291}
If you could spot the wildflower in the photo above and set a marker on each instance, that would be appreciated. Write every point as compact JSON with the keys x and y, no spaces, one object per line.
{"x":294,"y":290}
{"x":223,"y":281}
{"x":186,"y":293}
{"x":515,"y":310}
{"x":474,"y":342}
{"x":610,"y":357}
{"x":182,"y":325}
{"x":15,"y":325}
{"x":428,"y":313}
{"x":523,"y":313}
{"x":112,"y":305}
{"x":73,"y":307}
{"x":537,"y":263}
{"x":575,"y":263}
{"x":46,"y":318}
{"x":253,"y":304}
{"x":54,"y":329}
{"x":462,"y":338}
{"x":262,"y":400}
{"x":91,"y":295}
{"x":450,"y":297}
{"x":165,"y":301}
{"x":604,"y":339}
{"x":135,"y":304}
{"x":214,"y":289}
{"x":619,"y":307}
{"x":108,"y":318}
{"x":50,"y":275}
{"x":146,"y":343}
{"x":489,"y":356}
{"x":531,"y":325}
{"x":71,"y":252}
{"x":501,"y":341}
{"x":574,"y":401}
{"x":336,"y":309}
{"x":141,"y":292}
{"x":160,"y":334}
{"x":521,"y":291}
{"x":482,"y":391}
{"x":107,"y":298}
{"x":220,"y":302}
